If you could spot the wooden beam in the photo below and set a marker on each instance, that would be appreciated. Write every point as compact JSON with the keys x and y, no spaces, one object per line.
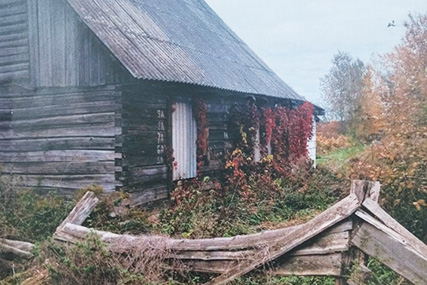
{"x":332,"y":243}
{"x":320,"y":223}
{"x":78,"y":215}
{"x":374,"y":192}
{"x":360,"y":189}
{"x":390,"y":250}
{"x":382,"y":215}
{"x":307,"y":265}
{"x":311,"y":265}
{"x":5,"y":248}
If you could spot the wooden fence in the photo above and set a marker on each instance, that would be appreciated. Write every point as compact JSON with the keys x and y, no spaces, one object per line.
{"x":340,"y":238}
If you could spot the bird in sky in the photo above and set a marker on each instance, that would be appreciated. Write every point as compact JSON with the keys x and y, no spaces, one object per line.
{"x":392,"y":24}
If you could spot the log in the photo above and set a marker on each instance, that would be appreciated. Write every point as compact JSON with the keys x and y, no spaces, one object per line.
{"x":382,"y":215}
{"x":317,"y":225}
{"x":18,"y":248}
{"x":75,"y":233}
{"x":25,"y":246}
{"x":5,"y":248}
{"x":390,"y":250}
{"x":78,"y":215}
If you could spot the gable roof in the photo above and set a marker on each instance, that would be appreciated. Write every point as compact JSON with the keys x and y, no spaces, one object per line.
{"x":179,"y":41}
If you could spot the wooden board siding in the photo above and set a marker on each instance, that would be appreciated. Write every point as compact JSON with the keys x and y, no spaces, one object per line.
{"x":66,"y":52}
{"x":60,"y":138}
{"x":14,"y":52}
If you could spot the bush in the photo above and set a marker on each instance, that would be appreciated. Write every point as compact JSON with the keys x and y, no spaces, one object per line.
{"x":28,"y":215}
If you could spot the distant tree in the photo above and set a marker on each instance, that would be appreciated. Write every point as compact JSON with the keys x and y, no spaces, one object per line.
{"x":369,"y":120}
{"x":343,"y":89}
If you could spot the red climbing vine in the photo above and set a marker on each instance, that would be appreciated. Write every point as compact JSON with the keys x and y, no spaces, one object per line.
{"x":200,"y":108}
{"x":285,"y":130}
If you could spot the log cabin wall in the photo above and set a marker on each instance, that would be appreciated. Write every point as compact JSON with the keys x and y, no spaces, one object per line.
{"x":146,"y":134}
{"x":146,"y":108}
{"x":14,"y":50}
{"x":60,"y":138}
{"x":61,"y":128}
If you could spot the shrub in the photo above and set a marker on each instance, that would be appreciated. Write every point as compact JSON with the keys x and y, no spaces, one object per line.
{"x":28,"y":215}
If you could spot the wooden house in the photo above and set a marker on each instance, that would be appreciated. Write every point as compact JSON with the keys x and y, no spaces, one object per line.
{"x":95,"y":92}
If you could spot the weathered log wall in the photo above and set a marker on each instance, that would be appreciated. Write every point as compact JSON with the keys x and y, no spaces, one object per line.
{"x":145,"y":120}
{"x":14,"y":51}
{"x":147,"y":109}
{"x":59,"y":138}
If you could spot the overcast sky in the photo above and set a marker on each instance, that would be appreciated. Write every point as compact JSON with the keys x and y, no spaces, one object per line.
{"x":298,"y":38}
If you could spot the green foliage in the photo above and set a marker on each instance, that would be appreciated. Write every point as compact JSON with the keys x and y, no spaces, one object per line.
{"x":30,"y":216}
{"x":383,"y":275}
{"x":113,"y":213}
{"x":340,"y":159}
{"x":88,"y":262}
{"x":208,"y":209}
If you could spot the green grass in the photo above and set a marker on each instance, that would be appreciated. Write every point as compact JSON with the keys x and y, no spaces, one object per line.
{"x":339,"y":159}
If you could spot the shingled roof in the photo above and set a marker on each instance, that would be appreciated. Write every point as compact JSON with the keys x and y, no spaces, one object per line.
{"x":179,"y":41}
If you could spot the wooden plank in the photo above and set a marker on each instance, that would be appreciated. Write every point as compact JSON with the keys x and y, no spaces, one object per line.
{"x":45,"y":41}
{"x":374,"y":222}
{"x":89,"y":130}
{"x":13,"y":10}
{"x":382,"y":215}
{"x":15,"y":43}
{"x":360,"y":189}
{"x":374,"y":192}
{"x":16,"y":58}
{"x":25,"y":246}
{"x":33,"y":42}
{"x":148,"y":195}
{"x":64,"y":110}
{"x":4,"y":248}
{"x":80,"y":212}
{"x":332,"y":243}
{"x":65,"y":120}
{"x":14,"y":28}
{"x":58,"y":156}
{"x":392,"y":253}
{"x":311,"y":265}
{"x":14,"y":67}
{"x":60,"y":143}
{"x":320,"y":223}
{"x":337,"y":242}
{"x":55,"y":168}
{"x":316,"y":265}
{"x":175,"y":245}
{"x":13,"y":37}
{"x":107,"y":181}
{"x":14,"y":75}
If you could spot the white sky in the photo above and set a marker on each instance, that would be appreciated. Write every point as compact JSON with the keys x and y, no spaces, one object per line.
{"x":298,"y":38}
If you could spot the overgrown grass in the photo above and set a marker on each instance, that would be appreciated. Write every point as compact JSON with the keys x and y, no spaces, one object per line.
{"x":27,"y":215}
{"x":339,"y":160}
